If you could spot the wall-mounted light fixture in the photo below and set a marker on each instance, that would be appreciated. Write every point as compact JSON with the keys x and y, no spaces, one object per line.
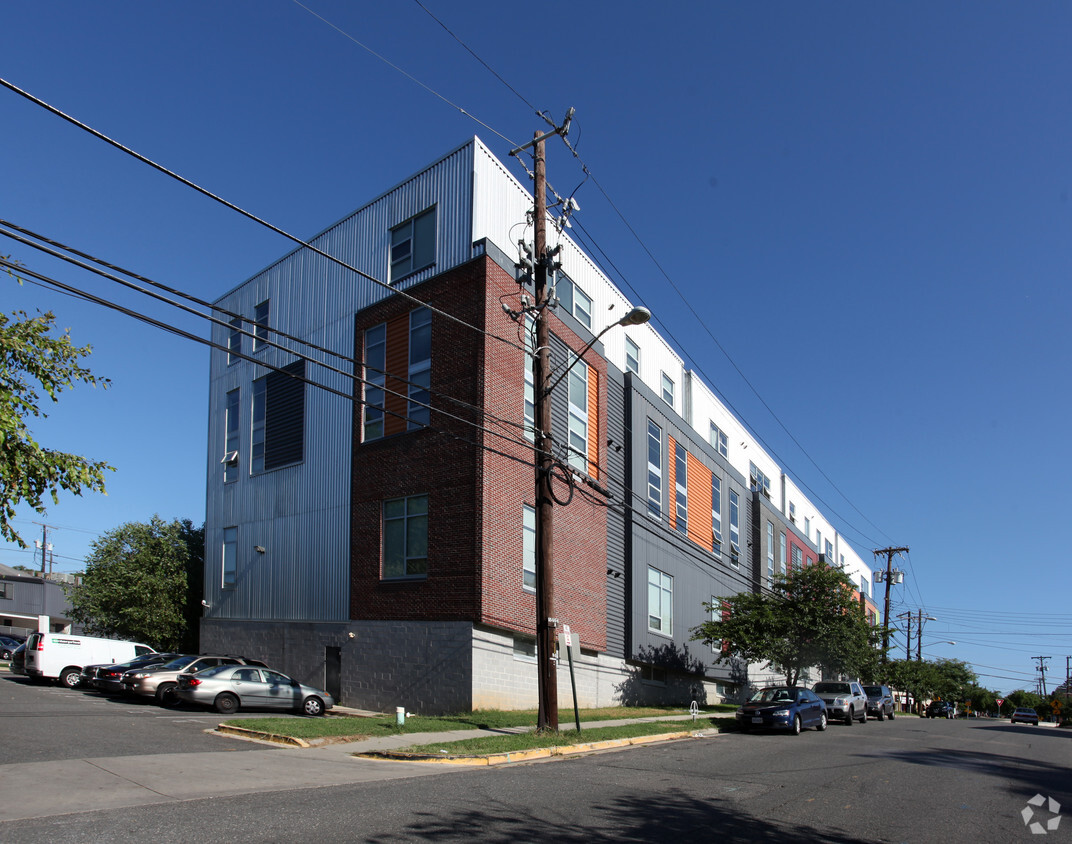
{"x":259,"y":549}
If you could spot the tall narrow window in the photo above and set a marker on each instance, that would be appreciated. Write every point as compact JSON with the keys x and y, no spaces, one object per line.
{"x":420,"y":367}
{"x":573,"y":300}
{"x":660,"y":601}
{"x":632,"y":355}
{"x":681,"y":491}
{"x":230,"y":557}
{"x":798,"y":557}
{"x":829,"y":551}
{"x":375,"y":378}
{"x":578,"y":416}
{"x":807,"y":528}
{"x":230,"y":447}
{"x":260,"y":330}
{"x":405,"y":537}
{"x":716,"y":514}
{"x":718,"y":440}
{"x":256,"y":437}
{"x":735,"y":526}
{"x":792,"y":512}
{"x":819,"y":539}
{"x":655,"y":470}
{"x":528,"y":547}
{"x":781,"y":553}
{"x":770,"y":554}
{"x":865,"y":587}
{"x":530,"y":377}
{"x":234,"y":341}
{"x":668,"y":390}
{"x":413,"y":245}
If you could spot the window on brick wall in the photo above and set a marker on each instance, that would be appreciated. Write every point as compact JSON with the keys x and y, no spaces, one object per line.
{"x":528,"y":547}
{"x":405,"y":537}
{"x":420,"y":367}
{"x":578,"y":415}
{"x":660,"y":601}
{"x":798,"y":558}
{"x":375,"y":378}
{"x":575,"y":301}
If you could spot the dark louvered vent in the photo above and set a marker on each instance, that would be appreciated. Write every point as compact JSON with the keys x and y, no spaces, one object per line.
{"x":284,"y":419}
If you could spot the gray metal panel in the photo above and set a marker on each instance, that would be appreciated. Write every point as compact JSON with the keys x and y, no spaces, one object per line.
{"x":616,"y":515}
{"x":300,"y":514}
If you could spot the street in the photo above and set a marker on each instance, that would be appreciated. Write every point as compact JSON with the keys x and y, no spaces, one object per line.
{"x":904,"y":780}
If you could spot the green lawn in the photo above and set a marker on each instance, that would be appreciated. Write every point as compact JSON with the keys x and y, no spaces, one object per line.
{"x":384,"y":725}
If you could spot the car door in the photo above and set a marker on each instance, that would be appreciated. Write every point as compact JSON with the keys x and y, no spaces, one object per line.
{"x":809,"y":707}
{"x":280,"y":690}
{"x":248,"y":685}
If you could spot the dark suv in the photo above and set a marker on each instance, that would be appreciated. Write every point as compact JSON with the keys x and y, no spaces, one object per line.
{"x":160,"y":681}
{"x":879,"y":702}
{"x":941,"y":709}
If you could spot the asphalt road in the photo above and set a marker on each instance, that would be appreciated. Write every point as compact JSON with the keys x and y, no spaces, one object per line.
{"x":909,"y":780}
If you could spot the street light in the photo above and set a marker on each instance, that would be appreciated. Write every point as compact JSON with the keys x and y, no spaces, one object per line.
{"x":637,"y":316}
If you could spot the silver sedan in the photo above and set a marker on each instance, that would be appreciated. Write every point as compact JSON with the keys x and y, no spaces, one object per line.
{"x":228,"y":687}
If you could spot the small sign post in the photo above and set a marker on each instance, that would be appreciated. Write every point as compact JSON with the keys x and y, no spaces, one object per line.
{"x":569,"y":643}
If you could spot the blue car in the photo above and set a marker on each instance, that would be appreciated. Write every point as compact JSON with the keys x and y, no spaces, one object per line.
{"x":783,"y":708}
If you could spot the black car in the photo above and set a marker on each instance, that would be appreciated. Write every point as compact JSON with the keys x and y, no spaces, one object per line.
{"x":783,"y":708}
{"x":18,"y":660}
{"x":879,"y":702}
{"x":941,"y":709}
{"x":7,"y":646}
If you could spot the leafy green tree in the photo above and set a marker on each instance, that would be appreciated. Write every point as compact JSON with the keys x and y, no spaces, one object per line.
{"x":33,"y":359}
{"x":810,"y":619}
{"x":137,"y":584}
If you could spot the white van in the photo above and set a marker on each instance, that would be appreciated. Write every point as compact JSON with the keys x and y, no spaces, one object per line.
{"x":62,"y":656}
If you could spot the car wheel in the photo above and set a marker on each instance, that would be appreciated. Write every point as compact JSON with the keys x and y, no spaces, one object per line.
{"x":849,"y":717}
{"x":863,"y":714}
{"x":891,"y":714}
{"x":881,"y":715}
{"x":226,"y":704}
{"x":70,"y":677}
{"x":165,"y":695}
{"x":313,"y":706}
{"x":822,"y":722}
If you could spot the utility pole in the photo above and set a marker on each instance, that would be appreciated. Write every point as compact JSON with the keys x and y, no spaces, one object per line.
{"x":889,"y":552}
{"x":1042,"y":673}
{"x":907,"y":615}
{"x":46,"y":556}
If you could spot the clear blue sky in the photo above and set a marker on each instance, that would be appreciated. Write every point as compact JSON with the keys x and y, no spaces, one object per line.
{"x":868,"y":206}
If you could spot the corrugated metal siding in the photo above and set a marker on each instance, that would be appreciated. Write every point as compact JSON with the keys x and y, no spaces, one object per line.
{"x":300,"y":514}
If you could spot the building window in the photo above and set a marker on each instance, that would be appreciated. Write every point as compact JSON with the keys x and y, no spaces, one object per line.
{"x":819,"y":539}
{"x":375,"y":379}
{"x":770,"y":554}
{"x":4,"y":594}
{"x":524,"y":649}
{"x":716,"y":514}
{"x":230,"y":557}
{"x":575,"y":301}
{"x":781,"y":553}
{"x":718,"y":440}
{"x":420,"y":367}
{"x":842,"y":561}
{"x":668,"y":390}
{"x":530,"y":378}
{"x":278,"y":420}
{"x":405,"y":537}
{"x":653,"y":674}
{"x":681,"y":492}
{"x":413,"y":245}
{"x":655,"y":470}
{"x":234,"y":341}
{"x":829,"y":551}
{"x":807,"y":528}
{"x":660,"y":602}
{"x":716,"y":615}
{"x":792,"y":512}
{"x":632,"y":355}
{"x":759,"y":480}
{"x":231,"y":437}
{"x":735,"y":526}
{"x":260,"y":330}
{"x":528,"y":547}
{"x":798,"y":557}
{"x":865,"y":587}
{"x":578,"y":415}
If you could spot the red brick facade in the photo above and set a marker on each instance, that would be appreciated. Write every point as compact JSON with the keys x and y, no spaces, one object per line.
{"x":476,"y":495}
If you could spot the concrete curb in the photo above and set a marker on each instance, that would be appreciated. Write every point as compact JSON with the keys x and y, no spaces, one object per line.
{"x":528,"y":755}
{"x":242,"y":732}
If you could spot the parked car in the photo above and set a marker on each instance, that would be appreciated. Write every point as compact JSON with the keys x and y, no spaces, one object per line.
{"x":1025,"y":715}
{"x":783,"y":708}
{"x":159,"y":681}
{"x":18,"y":660}
{"x":844,"y":700}
{"x":941,"y":709}
{"x":7,"y":646}
{"x":879,"y":702}
{"x":230,"y":687}
{"x":107,"y":678}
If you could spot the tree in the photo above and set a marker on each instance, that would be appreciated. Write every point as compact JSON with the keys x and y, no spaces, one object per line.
{"x":32,"y":359}
{"x":137,"y":583}
{"x":811,"y":619}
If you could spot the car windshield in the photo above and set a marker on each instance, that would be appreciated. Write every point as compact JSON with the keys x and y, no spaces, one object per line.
{"x":213,"y":670}
{"x":832,"y":688}
{"x":873,"y":691}
{"x":178,"y":662}
{"x":773,"y":695}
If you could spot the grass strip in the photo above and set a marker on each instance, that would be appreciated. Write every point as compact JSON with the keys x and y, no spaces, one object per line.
{"x":529,"y":741}
{"x":358,"y":728}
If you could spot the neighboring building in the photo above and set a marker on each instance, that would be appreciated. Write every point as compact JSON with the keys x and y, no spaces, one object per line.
{"x":376,"y":536}
{"x":24,"y":596}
